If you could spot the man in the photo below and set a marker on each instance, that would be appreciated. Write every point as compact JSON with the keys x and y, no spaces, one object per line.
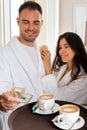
{"x":20,"y":61}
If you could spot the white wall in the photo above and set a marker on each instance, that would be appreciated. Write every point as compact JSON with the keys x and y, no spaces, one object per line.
{"x":4,"y":22}
{"x":66,"y":19}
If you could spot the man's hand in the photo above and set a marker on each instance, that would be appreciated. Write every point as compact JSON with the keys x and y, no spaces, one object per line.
{"x":8,"y":102}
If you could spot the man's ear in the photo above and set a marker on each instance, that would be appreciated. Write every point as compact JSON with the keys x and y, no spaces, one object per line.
{"x":17,"y":20}
{"x":41,"y":22}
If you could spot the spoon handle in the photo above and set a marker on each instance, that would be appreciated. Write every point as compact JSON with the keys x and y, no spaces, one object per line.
{"x":74,"y":123}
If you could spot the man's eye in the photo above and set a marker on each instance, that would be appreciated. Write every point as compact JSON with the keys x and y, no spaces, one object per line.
{"x":36,"y":23}
{"x":25,"y":22}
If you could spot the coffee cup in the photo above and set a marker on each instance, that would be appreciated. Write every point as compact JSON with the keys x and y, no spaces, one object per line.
{"x":68,"y":113}
{"x":46,"y":101}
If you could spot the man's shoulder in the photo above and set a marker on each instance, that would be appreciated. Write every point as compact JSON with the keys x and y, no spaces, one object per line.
{"x":12,"y":41}
{"x":9,"y":44}
{"x":8,"y":47}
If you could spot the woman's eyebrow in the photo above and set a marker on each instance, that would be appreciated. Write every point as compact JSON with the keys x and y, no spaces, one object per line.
{"x":64,"y":44}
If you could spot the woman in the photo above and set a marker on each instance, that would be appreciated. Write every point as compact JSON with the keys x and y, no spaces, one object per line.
{"x":69,"y":69}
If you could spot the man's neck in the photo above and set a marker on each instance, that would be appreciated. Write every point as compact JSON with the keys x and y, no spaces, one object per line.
{"x":27,"y":43}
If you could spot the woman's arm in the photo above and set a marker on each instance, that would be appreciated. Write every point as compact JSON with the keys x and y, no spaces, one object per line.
{"x":46,"y":57}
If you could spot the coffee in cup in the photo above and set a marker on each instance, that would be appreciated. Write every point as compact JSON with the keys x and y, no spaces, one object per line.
{"x":46,"y":101}
{"x":68,"y":113}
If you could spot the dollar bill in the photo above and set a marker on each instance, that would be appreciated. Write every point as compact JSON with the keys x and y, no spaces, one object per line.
{"x":20,"y":93}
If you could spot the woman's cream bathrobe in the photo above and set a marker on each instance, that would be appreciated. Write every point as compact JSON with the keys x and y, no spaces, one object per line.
{"x":68,"y":90}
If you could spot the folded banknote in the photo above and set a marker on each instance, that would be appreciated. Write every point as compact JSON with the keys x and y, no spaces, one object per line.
{"x":20,"y":93}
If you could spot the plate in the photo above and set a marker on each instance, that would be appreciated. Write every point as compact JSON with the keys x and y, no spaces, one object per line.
{"x":36,"y":109}
{"x":78,"y":125}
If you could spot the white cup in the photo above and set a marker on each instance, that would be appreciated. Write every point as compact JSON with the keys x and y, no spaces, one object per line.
{"x":69,"y":113}
{"x":46,"y":101}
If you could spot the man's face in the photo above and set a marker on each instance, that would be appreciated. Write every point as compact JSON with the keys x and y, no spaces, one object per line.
{"x":29,"y":22}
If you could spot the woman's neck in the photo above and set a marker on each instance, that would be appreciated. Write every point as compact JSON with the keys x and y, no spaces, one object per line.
{"x":69,"y":66}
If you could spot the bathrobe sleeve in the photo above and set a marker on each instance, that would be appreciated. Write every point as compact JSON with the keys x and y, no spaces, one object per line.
{"x":49,"y":83}
{"x":75,"y":91}
{"x":5,"y":77}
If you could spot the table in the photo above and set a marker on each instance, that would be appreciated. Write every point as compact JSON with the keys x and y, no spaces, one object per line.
{"x":23,"y":119}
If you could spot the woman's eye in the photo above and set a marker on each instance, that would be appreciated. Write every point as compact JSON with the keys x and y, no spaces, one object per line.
{"x":66,"y":46}
{"x":60,"y":47}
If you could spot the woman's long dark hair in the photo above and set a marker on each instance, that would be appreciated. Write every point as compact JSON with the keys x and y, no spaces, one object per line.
{"x":80,"y":58}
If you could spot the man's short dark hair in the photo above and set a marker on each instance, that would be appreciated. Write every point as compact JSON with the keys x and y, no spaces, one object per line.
{"x":31,"y":5}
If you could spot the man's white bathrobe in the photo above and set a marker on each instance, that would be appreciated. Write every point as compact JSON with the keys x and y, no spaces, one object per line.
{"x":21,"y":66}
{"x":68,"y":90}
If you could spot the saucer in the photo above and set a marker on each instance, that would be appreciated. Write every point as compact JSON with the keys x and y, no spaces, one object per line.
{"x":78,"y":125}
{"x":36,"y":109}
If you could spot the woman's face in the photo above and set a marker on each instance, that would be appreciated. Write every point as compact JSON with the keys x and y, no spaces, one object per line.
{"x":65,"y":51}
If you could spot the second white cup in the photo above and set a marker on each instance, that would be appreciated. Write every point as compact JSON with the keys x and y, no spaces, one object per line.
{"x":69,"y":113}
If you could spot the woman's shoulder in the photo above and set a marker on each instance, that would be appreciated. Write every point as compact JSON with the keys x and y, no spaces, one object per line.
{"x":82,"y":73}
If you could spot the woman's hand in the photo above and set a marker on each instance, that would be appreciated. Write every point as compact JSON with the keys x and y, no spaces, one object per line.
{"x":8,"y":102}
{"x":46,"y":57}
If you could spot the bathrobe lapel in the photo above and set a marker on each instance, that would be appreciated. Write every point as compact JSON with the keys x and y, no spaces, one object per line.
{"x":28,"y":66}
{"x":65,"y":79}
